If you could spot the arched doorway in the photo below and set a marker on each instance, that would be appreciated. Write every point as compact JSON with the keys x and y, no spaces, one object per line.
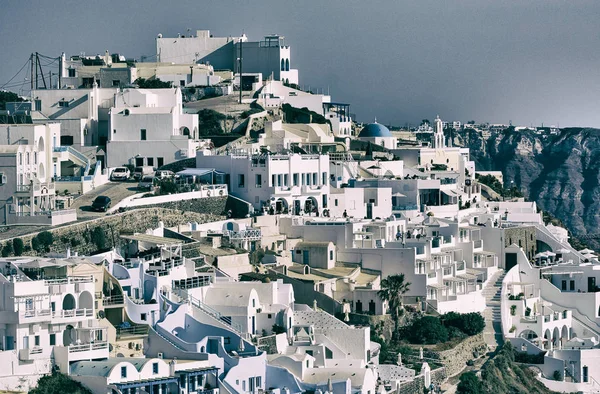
{"x":281,"y":206}
{"x":359,"y":306}
{"x":555,"y":337}
{"x":287,"y":64}
{"x":530,"y":335}
{"x":68,"y":335}
{"x":41,"y":171}
{"x":311,"y":205}
{"x":41,"y":144}
{"x":185,"y":131}
{"x":86,"y":301}
{"x":282,"y":65}
{"x":68,"y":303}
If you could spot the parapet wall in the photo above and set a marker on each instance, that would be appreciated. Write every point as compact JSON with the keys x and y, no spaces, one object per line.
{"x":78,"y":236}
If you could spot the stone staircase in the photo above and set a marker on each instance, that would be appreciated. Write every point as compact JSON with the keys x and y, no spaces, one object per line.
{"x":492,"y":333}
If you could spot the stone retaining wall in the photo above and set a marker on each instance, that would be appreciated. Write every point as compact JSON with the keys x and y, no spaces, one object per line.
{"x":417,"y":385}
{"x":77,"y":236}
{"x":455,"y":359}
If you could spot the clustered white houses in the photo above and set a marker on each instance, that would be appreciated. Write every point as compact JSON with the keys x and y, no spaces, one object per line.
{"x":335,"y":208}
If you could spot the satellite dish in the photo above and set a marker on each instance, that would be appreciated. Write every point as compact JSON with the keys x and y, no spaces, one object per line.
{"x":159,"y":35}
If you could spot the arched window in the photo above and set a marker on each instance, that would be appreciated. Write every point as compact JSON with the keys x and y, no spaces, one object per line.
{"x":287,"y":64}
{"x":27,"y":158}
{"x":282,"y":65}
{"x":20,"y":159}
{"x":34,"y":157}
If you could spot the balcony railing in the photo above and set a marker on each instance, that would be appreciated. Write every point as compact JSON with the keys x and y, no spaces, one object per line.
{"x":85,"y":347}
{"x":113,"y":300}
{"x":137,"y":330}
{"x":69,"y":280}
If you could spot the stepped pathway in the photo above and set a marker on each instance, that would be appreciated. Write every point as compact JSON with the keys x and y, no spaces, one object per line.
{"x":492,"y":334}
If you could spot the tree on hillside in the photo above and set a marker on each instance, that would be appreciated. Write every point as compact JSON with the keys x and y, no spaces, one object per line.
{"x":18,"y":246}
{"x":8,"y":97}
{"x":427,"y":330}
{"x":392,"y":290}
{"x":58,"y":383}
{"x":469,"y":384}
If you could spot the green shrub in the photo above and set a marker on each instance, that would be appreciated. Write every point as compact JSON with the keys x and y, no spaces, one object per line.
{"x":427,"y":330}
{"x":18,"y":246}
{"x":7,"y":250}
{"x":469,"y":384}
{"x":98,"y":237}
{"x":469,"y":323}
{"x":58,"y":383}
{"x":277,"y":329}
{"x":41,"y":242}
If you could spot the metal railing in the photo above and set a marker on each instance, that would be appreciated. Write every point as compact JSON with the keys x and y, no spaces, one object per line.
{"x":215,"y":314}
{"x":138,"y":329}
{"x":113,"y":300}
{"x":70,"y":280}
{"x":245,"y":235}
{"x":84,"y":347}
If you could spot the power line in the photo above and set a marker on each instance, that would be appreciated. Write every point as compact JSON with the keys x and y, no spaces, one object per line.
{"x":14,"y":76}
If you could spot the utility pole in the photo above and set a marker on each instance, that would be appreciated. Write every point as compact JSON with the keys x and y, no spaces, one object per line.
{"x":39,"y":64}
{"x":60,"y":67}
{"x":241,"y":68}
{"x":31,"y":73}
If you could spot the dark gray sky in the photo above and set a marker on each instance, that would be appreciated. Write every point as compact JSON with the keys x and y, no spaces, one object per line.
{"x":529,"y":61}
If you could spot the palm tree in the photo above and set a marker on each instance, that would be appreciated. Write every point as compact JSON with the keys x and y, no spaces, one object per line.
{"x":392,"y":290}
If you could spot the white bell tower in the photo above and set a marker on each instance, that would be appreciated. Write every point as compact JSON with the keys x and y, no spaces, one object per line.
{"x":438,"y":134}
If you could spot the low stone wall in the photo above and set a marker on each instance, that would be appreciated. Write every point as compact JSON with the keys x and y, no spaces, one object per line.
{"x":208,"y":205}
{"x":383,"y":324}
{"x":78,"y":237}
{"x":455,"y":359}
{"x":268,"y":344}
{"x":417,"y":385}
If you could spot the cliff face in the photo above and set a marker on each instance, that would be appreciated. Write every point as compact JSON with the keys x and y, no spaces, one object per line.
{"x":561,"y":173}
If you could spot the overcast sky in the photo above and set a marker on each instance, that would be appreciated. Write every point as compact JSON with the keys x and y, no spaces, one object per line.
{"x":529,"y":61}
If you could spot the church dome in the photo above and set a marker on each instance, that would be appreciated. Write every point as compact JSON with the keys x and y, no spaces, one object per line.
{"x":374,"y":130}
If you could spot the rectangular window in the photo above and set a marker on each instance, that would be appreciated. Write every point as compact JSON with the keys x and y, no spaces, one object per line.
{"x":324,"y":179}
{"x":563,"y":285}
{"x":36,"y":340}
{"x":295,"y":178}
{"x":116,"y":83}
{"x":572,"y":285}
{"x":335,"y":202}
{"x":63,"y":103}
{"x":258,"y":381}
{"x":285,"y":180}
{"x":150,"y":161}
{"x":160,"y":161}
{"x":143,"y":134}
{"x":258,"y":181}
{"x":52,"y":339}
{"x":154,"y":368}
{"x":38,"y":105}
{"x":273,"y":180}
{"x":143,"y":317}
{"x":139,"y":161}
{"x":123,"y":372}
{"x":241,"y":180}
{"x":331,"y":255}
{"x":53,"y":306}
{"x":181,"y":82}
{"x":71,"y":73}
{"x":315,"y":180}
{"x":66,"y":140}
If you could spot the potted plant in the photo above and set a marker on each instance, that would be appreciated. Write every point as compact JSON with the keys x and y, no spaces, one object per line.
{"x":513,"y":309}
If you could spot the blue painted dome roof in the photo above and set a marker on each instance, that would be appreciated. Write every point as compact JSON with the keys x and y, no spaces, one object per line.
{"x":374,"y":130}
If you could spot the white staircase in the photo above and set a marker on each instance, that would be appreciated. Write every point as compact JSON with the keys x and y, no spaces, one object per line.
{"x":492,"y":333}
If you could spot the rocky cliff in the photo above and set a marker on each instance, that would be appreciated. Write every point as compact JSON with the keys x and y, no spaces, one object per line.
{"x":561,"y":172}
